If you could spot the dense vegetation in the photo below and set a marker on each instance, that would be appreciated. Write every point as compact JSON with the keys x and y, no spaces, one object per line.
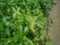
{"x":22,"y":22}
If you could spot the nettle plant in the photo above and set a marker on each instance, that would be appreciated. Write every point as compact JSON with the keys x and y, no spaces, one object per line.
{"x":22,"y":22}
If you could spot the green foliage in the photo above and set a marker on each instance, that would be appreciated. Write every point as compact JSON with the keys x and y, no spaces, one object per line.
{"x":22,"y":22}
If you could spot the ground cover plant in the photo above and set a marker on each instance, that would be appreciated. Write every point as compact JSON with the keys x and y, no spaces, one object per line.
{"x":22,"y":22}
